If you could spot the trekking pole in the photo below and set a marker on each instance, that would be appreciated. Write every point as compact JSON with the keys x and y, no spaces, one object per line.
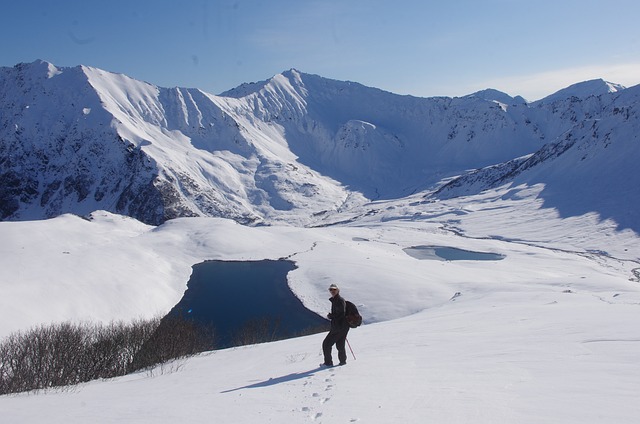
{"x":349,"y":344}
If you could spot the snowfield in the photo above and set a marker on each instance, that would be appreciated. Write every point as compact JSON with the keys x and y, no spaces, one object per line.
{"x":549,"y":334}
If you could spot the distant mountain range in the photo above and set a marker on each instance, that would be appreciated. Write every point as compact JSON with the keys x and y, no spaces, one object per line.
{"x":297,"y":146}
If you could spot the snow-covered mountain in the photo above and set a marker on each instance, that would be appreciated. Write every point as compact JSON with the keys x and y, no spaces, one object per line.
{"x":81,"y":139}
{"x":547,"y":333}
{"x":290,"y":148}
{"x":589,"y":168}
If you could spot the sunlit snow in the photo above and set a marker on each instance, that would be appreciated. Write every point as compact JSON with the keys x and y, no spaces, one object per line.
{"x":547,"y":334}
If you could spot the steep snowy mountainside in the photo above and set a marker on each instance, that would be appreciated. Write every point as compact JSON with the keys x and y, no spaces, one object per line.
{"x":590,"y":168}
{"x":133,"y":148}
{"x":386,"y":145}
{"x":288,"y":149}
{"x":58,"y":151}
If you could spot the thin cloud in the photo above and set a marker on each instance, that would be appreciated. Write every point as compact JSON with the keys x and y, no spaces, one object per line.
{"x":539,"y":85}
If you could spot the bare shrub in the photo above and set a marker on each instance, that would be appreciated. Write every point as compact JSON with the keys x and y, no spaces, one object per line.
{"x":63,"y":354}
{"x":258,"y":330}
{"x":47,"y":356}
{"x":269,"y":329}
{"x":66,"y":353}
{"x":175,"y":337}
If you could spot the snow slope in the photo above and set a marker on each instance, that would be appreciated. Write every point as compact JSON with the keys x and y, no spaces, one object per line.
{"x":590,"y":169}
{"x":545,"y":335}
{"x":512,"y":357}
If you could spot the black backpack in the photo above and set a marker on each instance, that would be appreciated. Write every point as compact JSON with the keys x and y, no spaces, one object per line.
{"x":354,"y":319}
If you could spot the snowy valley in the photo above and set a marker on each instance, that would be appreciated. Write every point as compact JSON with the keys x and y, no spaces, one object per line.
{"x":111,"y":189}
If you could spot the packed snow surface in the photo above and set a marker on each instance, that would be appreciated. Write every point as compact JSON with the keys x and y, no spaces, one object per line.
{"x":548,"y":334}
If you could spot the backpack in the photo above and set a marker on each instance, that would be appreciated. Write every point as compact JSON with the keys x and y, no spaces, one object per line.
{"x":354,"y":319}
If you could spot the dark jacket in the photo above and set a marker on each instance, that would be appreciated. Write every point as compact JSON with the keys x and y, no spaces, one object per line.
{"x":338,"y":312}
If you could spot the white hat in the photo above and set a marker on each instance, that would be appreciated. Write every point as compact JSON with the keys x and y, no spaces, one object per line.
{"x":333,"y":286}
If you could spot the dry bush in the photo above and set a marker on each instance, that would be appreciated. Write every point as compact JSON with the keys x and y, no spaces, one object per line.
{"x":259,"y":330}
{"x":62,"y":354}
{"x":175,"y":337}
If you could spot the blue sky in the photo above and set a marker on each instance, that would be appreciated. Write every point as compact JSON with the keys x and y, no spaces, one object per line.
{"x":424,"y":48}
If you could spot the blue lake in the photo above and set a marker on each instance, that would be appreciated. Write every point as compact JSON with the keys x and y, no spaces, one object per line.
{"x":237,"y":296}
{"x":450,"y":254}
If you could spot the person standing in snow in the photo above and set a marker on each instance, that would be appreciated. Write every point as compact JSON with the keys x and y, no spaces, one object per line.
{"x":339,"y":328}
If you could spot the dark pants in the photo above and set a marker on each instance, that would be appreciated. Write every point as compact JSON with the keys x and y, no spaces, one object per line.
{"x":337,"y":337}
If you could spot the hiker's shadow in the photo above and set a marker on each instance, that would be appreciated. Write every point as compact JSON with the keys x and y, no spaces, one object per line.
{"x":277,"y":380}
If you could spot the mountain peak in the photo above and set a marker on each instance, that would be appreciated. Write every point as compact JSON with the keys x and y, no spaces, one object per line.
{"x":494,"y":95}
{"x":582,"y":90}
{"x":38,"y":68}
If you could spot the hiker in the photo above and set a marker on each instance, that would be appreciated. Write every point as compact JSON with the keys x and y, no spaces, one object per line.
{"x":339,"y":328}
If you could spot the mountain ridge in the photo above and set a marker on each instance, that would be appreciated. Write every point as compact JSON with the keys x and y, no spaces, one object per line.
{"x":287,"y":149}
